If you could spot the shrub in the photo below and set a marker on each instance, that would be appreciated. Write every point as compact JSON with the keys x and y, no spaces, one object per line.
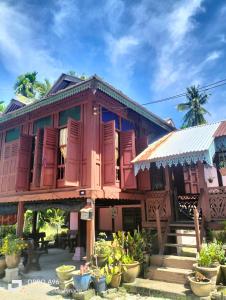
{"x":211,"y":254}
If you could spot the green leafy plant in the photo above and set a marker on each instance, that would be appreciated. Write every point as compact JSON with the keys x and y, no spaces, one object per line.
{"x":111,"y":270}
{"x":211,"y":254}
{"x":12,"y":245}
{"x":102,"y":247}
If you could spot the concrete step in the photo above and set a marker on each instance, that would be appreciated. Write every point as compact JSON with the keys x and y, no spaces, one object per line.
{"x":180,"y":245}
{"x":182,"y":225}
{"x":167,"y":274}
{"x":172,"y":261}
{"x":163,"y":290}
{"x":181,"y":234}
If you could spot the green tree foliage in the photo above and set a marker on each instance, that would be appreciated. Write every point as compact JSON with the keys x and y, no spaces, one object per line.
{"x":2,"y":106}
{"x":25,"y":84}
{"x":73,"y":73}
{"x":28,"y":86}
{"x":195,"y":114}
{"x":43,"y":87}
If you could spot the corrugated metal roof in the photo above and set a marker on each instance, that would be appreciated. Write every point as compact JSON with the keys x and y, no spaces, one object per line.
{"x":221,"y":130}
{"x":179,"y":143}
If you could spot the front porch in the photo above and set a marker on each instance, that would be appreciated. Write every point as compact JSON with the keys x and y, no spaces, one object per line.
{"x":187,"y":188}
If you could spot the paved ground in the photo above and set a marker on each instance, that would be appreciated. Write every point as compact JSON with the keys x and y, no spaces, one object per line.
{"x":43,"y":285}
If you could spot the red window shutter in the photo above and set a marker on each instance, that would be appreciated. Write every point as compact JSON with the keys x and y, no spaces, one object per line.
{"x":143,"y":177}
{"x":127,"y":153}
{"x":24,"y":161}
{"x":73,"y":155}
{"x":108,"y":157}
{"x":37,"y":167}
{"x":49,"y":158}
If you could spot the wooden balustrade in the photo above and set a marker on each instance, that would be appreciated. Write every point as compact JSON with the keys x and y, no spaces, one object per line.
{"x":217,"y":203}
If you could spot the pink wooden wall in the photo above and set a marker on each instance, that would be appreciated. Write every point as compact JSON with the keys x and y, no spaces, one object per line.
{"x":105,"y":217}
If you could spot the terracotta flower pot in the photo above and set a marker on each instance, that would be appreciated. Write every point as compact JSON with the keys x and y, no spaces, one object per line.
{"x":12,"y":261}
{"x":116,"y":280}
{"x":210,"y":273}
{"x":201,"y":289}
{"x":131,"y":272}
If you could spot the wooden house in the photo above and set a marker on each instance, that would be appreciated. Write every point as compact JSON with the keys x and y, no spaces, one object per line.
{"x":73,"y":150}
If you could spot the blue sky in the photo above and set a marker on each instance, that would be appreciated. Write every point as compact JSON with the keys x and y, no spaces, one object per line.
{"x":148,"y":49}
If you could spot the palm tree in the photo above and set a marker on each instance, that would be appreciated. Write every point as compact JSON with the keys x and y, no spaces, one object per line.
{"x":194,"y":107}
{"x":2,"y":106}
{"x":25,"y":84}
{"x":43,"y":87}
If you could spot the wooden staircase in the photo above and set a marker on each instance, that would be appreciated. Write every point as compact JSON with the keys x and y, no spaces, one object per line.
{"x":179,"y":231}
{"x":170,"y":268}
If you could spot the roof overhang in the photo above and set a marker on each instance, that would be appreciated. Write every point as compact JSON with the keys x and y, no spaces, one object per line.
{"x":94,"y":83}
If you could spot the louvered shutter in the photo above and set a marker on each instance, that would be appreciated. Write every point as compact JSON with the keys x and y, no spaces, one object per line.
{"x":191,"y":180}
{"x":143,"y":176}
{"x":24,"y":161}
{"x":73,"y":154}
{"x":49,"y":158}
{"x":108,"y":154}
{"x":127,"y":153}
{"x":37,"y":167}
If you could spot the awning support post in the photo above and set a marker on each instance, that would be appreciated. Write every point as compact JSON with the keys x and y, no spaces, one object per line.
{"x":20,"y":219}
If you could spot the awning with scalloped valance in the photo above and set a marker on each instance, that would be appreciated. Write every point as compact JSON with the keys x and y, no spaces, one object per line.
{"x":184,"y":147}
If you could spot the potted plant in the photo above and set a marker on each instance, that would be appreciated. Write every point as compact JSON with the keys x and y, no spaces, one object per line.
{"x":200,"y":285}
{"x":12,"y":248}
{"x":113,"y":275}
{"x":65,"y":272}
{"x":82,"y":278}
{"x":208,"y":261}
{"x":223,"y":269}
{"x":131,"y":268}
{"x":102,"y":250}
{"x":99,"y":279}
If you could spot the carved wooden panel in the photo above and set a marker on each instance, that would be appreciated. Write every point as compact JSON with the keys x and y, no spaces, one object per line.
{"x":156,"y":200}
{"x":217,"y":202}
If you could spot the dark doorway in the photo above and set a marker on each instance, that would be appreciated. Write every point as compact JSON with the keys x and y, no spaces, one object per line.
{"x":131,"y":217}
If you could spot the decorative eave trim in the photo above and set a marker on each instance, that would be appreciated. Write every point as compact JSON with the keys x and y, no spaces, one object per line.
{"x":183,"y":159}
{"x":94,"y":83}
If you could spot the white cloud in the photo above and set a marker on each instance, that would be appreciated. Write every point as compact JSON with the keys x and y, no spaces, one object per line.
{"x":213,"y":56}
{"x":20,"y":49}
{"x":66,"y":12}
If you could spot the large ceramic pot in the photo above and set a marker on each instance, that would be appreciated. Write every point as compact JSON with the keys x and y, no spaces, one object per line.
{"x":82,"y":282}
{"x":201,"y":289}
{"x":12,"y":261}
{"x":65,"y":273}
{"x":210,"y":273}
{"x":116,"y":280}
{"x":131,"y":271}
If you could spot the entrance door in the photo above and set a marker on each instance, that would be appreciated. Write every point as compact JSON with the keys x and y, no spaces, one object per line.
{"x":186,"y":191}
{"x":131,"y":217}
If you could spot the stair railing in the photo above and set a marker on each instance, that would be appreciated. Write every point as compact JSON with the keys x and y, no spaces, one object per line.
{"x":197,"y":229}
{"x":159,"y":230}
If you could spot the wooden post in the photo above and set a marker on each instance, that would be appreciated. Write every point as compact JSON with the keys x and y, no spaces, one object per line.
{"x":34,"y":222}
{"x":168,"y":186}
{"x":197,"y":229}
{"x":205,"y":205}
{"x":159,"y":231}
{"x":20,"y":219}
{"x":90,"y":232}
